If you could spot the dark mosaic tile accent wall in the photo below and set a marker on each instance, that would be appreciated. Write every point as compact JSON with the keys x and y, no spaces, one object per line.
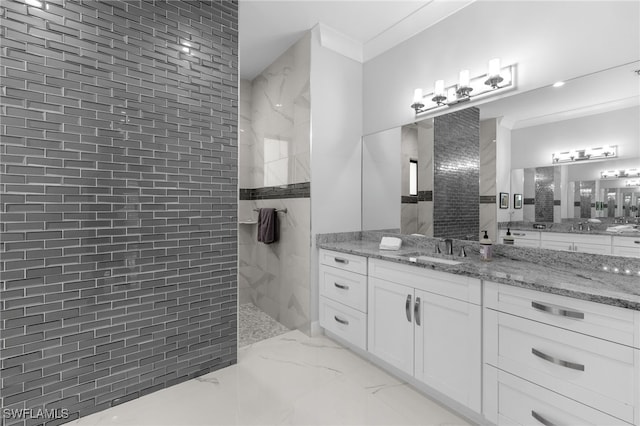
{"x":456,"y":174}
{"x":487,"y":199}
{"x":294,"y":190}
{"x":544,"y":194}
{"x":119,"y":200}
{"x":409,"y":199}
{"x":425,"y":195}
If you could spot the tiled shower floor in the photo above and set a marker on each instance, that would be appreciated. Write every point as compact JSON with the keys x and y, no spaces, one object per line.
{"x":254,"y":325}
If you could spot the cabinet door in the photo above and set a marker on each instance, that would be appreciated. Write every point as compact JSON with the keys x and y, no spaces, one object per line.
{"x":390,"y":323}
{"x":448,"y":345}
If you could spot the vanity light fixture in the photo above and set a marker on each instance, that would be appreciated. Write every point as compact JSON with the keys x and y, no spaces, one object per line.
{"x":464,"y":84}
{"x":614,"y":174}
{"x":496,"y":80}
{"x":494,"y":77}
{"x":584,"y":154}
{"x":438,"y":93}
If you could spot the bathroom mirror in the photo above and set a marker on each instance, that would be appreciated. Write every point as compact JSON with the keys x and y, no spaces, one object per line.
{"x":539,"y":122}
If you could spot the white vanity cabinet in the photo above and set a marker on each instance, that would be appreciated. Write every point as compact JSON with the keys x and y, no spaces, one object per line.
{"x":551,"y":359}
{"x":582,"y":243}
{"x":343,"y":296}
{"x":626,"y":246}
{"x":522,"y":238}
{"x":428,"y":324}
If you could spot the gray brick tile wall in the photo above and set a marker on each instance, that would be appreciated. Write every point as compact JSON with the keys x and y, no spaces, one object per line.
{"x":456,"y":176}
{"x":118,"y":208}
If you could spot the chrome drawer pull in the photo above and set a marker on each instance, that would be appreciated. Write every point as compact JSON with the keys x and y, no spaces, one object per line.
{"x":562,"y":363}
{"x":519,"y":234}
{"x":407,"y":307}
{"x":637,"y":242}
{"x":340,"y":320}
{"x":341,"y":260}
{"x":541,"y":419}
{"x":416,"y":310}
{"x":341,"y":286}
{"x":557,"y":310}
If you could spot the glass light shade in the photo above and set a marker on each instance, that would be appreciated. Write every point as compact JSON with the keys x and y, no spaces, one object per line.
{"x":417,"y":96}
{"x":464,"y":79}
{"x":439,"y":88}
{"x":494,"y":67}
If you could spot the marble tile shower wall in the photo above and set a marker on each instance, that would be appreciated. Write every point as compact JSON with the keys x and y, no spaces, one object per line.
{"x":488,"y":179}
{"x":119,"y":201}
{"x":274,"y":166}
{"x":278,"y":144}
{"x":456,"y":174}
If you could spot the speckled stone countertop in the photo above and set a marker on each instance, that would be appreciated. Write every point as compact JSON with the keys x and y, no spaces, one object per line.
{"x":565,"y":227}
{"x":610,"y":280}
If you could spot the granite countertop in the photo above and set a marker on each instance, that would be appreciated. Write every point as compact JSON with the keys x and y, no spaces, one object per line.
{"x":633,"y":230}
{"x":610,"y":280}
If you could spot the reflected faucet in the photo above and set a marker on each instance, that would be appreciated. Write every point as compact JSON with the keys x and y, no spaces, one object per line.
{"x":448,"y":246}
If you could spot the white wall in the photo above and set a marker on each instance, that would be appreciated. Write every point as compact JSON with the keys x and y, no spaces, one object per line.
{"x":336,"y":130}
{"x":381,"y":180}
{"x":533,"y":146}
{"x":567,"y":37}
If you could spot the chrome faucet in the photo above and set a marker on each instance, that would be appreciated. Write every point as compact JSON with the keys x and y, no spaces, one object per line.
{"x":580,"y":226}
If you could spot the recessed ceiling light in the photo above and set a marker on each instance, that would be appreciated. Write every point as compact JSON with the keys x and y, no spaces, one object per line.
{"x":558,"y":84}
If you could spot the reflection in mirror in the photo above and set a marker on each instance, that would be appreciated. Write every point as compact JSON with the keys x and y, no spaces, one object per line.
{"x":529,"y":127}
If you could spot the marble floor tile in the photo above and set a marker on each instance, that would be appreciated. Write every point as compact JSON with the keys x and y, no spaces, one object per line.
{"x":290,"y":379}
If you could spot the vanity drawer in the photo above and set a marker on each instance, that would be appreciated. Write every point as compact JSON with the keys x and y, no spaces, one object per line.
{"x":523,"y":403}
{"x":591,"y":318}
{"x":592,"y":371}
{"x":345,"y":287}
{"x":344,"y":261}
{"x":523,"y":238}
{"x":347,"y":323}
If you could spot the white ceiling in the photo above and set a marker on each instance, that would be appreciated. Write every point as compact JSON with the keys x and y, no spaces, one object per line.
{"x":267,"y":28}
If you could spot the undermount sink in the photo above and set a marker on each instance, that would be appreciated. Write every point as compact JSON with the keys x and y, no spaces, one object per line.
{"x":415,"y":257}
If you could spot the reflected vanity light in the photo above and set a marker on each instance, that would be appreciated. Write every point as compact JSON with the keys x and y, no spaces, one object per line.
{"x":558,"y":84}
{"x":497,"y":80}
{"x":584,"y":154}
{"x":614,"y":174}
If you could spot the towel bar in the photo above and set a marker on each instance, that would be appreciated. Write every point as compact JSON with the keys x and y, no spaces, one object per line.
{"x":277,"y":210}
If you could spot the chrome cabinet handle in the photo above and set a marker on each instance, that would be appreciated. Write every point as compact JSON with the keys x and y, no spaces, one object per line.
{"x":341,"y":260}
{"x":519,"y":234}
{"x":340,"y":320}
{"x":416,"y":310}
{"x":407,"y":307}
{"x":562,"y":363}
{"x":636,"y":242}
{"x":341,"y":286}
{"x":541,"y":419}
{"x":557,"y":310}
